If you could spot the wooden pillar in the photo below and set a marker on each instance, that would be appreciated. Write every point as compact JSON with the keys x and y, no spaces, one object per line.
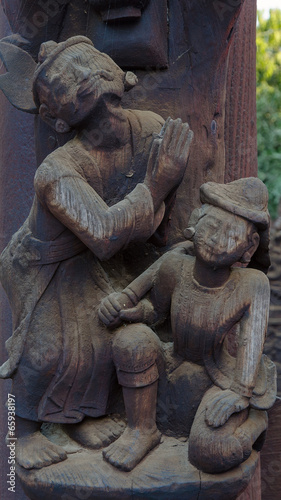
{"x":240,"y":109}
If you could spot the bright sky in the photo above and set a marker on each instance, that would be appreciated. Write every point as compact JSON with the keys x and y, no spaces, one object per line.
{"x":266,"y":5}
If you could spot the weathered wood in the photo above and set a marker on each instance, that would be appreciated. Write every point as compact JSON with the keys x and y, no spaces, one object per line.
{"x":271,"y":456}
{"x":179,"y":478}
{"x":253,"y":490}
{"x":240,"y":110}
{"x":204,"y":296}
{"x":194,"y":87}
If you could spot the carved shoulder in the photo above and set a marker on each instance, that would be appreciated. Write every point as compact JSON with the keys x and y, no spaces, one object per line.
{"x":147,"y":121}
{"x":252,"y":284}
{"x":58,"y":165}
{"x":172,"y":267}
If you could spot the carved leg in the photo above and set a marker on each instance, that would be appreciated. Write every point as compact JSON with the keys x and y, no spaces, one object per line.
{"x":135,"y":351}
{"x":218,"y":449}
{"x":141,"y":434}
{"x":33,"y":450}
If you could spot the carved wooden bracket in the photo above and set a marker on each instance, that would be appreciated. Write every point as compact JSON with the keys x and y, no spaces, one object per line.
{"x":135,"y":37}
{"x":120,"y":9}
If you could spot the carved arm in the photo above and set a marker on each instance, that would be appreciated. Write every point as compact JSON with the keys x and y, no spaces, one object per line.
{"x":252,"y":334}
{"x":105,"y":230}
{"x":132,"y":305}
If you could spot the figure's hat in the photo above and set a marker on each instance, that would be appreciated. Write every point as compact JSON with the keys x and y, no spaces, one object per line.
{"x":246,"y":198}
{"x":49,"y":51}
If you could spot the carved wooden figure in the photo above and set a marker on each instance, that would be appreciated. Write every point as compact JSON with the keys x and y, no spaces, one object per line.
{"x":206,"y":298}
{"x":94,"y":196}
{"x":98,"y":200}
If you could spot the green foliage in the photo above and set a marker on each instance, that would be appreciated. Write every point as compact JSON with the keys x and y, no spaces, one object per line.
{"x":269,"y":104}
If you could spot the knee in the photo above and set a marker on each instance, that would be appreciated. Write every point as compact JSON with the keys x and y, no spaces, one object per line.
{"x":214,"y":454}
{"x":135,"y":348}
{"x":135,"y":352}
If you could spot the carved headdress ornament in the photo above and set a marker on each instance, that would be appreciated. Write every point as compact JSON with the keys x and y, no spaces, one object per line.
{"x":50,"y":50}
{"x":105,"y":67}
{"x":19,"y":83}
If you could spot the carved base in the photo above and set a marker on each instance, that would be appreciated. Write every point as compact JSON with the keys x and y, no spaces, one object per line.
{"x":165,"y":474}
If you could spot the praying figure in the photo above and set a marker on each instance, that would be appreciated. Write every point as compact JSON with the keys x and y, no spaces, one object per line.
{"x":207,"y":296}
{"x":108,"y":189}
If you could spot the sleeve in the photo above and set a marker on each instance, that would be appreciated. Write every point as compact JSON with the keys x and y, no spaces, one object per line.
{"x":252,"y":334}
{"x":105,"y":230}
{"x":159,"y":279}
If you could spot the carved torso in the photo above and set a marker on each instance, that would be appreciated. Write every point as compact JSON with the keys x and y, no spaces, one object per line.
{"x":201,"y":318}
{"x":196,"y":332}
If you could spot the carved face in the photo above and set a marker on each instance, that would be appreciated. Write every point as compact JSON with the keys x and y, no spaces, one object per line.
{"x":77,"y":78}
{"x":221,"y":238}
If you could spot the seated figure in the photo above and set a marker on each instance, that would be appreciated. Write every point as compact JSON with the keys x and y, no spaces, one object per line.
{"x":105,"y":189}
{"x":208,"y":296}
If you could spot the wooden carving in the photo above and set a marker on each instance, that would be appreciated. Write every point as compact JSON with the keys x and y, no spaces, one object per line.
{"x":206,"y":298}
{"x":133,"y":32}
{"x":100,"y":192}
{"x":151,"y":368}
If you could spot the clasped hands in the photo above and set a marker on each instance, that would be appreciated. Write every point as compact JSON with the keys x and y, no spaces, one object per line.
{"x":168,"y":159}
{"x":118,"y":307}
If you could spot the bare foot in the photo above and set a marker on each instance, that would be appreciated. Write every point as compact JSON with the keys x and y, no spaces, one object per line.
{"x":96,"y":433}
{"x":131,"y":448}
{"x":35,"y":451}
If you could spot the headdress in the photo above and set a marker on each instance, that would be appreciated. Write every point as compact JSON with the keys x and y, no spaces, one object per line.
{"x":19,"y":82}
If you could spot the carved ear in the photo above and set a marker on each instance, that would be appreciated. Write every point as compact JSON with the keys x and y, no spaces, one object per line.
{"x":58,"y":124}
{"x":61,"y":126}
{"x":130,"y":80}
{"x":17,"y":83}
{"x":46,"y":116}
{"x":189,"y":232}
{"x":246,"y":257}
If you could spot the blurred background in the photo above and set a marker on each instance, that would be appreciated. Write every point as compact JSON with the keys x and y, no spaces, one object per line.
{"x":269,"y":152}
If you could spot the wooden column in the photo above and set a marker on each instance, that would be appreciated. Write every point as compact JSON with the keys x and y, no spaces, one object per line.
{"x":240,"y":109}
